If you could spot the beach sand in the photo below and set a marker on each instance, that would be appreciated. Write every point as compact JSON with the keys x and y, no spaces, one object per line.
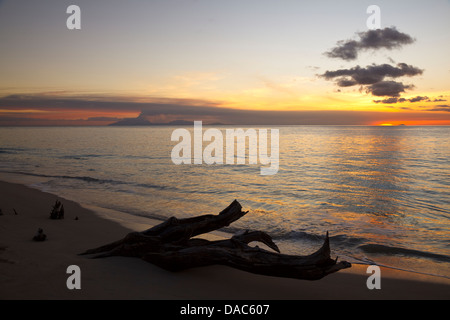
{"x":37,"y":270}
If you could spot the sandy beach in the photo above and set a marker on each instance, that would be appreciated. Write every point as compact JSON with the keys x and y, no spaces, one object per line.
{"x":37,"y":270}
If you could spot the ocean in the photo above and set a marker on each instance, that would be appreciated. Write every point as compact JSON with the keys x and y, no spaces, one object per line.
{"x":382,"y":193}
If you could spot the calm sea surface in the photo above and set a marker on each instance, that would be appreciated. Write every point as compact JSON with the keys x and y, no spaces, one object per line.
{"x":383,"y":193}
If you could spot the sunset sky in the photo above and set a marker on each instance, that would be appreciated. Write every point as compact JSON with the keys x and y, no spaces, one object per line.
{"x":242,"y":62}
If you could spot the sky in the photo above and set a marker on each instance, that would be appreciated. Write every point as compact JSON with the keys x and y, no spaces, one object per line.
{"x":236,"y":62}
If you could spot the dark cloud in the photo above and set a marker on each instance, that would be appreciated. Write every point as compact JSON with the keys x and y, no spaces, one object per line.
{"x":440,"y":108}
{"x":346,"y":50}
{"x":170,"y":111}
{"x":418,"y":98}
{"x":346,"y":82}
{"x":436,"y":108}
{"x":387,"y":88}
{"x":106,"y":119}
{"x":167,"y":110}
{"x":399,"y":100}
{"x":387,"y":38}
{"x":107,"y":103}
{"x":377,"y":80}
{"x":373,"y":73}
{"x":372,"y":78}
{"x":387,"y":101}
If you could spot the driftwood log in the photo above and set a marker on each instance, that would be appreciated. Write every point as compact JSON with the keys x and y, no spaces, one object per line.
{"x":170,"y":245}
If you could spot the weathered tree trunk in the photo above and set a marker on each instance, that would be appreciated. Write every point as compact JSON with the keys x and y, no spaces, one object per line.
{"x":169,"y":245}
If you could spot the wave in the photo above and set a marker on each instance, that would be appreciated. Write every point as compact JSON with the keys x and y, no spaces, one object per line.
{"x":91,"y":180}
{"x":6,"y":150}
{"x":84,"y":156}
{"x":388,"y":250}
{"x":340,"y":240}
{"x":349,"y":246}
{"x":83,"y":178}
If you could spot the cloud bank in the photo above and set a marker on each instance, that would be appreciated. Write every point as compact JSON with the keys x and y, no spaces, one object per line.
{"x":167,"y":110}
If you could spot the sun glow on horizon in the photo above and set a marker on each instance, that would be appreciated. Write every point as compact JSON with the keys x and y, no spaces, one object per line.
{"x":412,"y":122}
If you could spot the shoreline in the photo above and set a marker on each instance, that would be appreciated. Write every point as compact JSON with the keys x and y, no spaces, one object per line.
{"x":37,"y":270}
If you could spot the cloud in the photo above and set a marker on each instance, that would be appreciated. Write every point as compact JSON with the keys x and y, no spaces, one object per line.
{"x":106,"y":119}
{"x":372,"y":78}
{"x":94,"y":102}
{"x":373,"y":73}
{"x":377,"y":80}
{"x":418,"y":98}
{"x":166,"y":110}
{"x":436,"y":108}
{"x":387,"y":38}
{"x":346,"y":82}
{"x":387,"y":88}
{"x":395,"y":100}
{"x":387,"y":101}
{"x":440,"y":108}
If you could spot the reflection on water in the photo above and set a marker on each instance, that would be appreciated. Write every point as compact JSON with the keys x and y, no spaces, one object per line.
{"x":381,"y":192}
{"x":368,"y":173}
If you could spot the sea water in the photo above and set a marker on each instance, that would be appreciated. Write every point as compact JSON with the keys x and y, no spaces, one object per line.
{"x":382,"y":193}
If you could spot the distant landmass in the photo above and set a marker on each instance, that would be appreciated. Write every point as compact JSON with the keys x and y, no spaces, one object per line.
{"x":144,"y":122}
